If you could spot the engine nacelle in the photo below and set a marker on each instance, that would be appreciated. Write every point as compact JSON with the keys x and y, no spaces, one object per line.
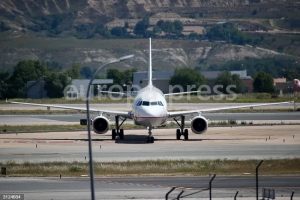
{"x":199,"y":125}
{"x":100,"y":125}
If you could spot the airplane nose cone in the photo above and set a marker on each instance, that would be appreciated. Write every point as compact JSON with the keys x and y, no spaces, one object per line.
{"x":150,"y":115}
{"x":152,"y":111}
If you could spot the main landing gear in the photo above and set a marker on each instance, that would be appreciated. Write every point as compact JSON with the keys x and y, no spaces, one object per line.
{"x":181,"y":131}
{"x":118,"y":133}
{"x":150,"y":138}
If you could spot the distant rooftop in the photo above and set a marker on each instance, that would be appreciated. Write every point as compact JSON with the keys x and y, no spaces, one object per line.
{"x":214,"y":74}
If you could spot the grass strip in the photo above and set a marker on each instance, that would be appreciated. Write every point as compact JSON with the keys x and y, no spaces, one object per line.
{"x":40,"y":112}
{"x":154,"y":167}
{"x":35,"y":128}
{"x":77,"y":127}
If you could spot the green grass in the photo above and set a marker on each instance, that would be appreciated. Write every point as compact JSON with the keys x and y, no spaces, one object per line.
{"x":39,"y":112}
{"x":103,"y":100}
{"x":154,"y":167}
{"x":247,"y":110}
{"x":35,"y":128}
{"x":77,"y":127}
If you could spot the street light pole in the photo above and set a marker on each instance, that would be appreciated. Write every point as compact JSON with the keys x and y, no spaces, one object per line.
{"x":295,"y":87}
{"x":88,"y":120}
{"x":256,"y":170}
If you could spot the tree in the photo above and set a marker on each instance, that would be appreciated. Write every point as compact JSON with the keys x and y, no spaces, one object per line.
{"x":178,"y":25}
{"x":55,"y":83}
{"x":168,"y":27}
{"x":3,"y":27}
{"x":116,"y":75}
{"x":160,"y":23}
{"x":126,"y":25}
{"x":193,"y":35}
{"x":27,"y":70}
{"x":226,"y":79}
{"x":4,"y":84}
{"x":187,"y":77}
{"x":118,"y":31}
{"x":74,"y":71}
{"x":121,"y":78}
{"x":128,"y":76}
{"x":227,"y":32}
{"x":142,"y":26}
{"x":54,"y":64}
{"x":157,"y":30}
{"x":263,"y":82}
{"x":86,"y":72}
{"x":192,"y":16}
{"x":216,"y":33}
{"x":240,"y":87}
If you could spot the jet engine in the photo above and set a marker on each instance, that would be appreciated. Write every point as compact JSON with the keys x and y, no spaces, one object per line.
{"x":199,"y":125}
{"x":100,"y":125}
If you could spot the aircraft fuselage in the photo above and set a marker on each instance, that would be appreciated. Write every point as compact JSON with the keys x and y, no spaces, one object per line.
{"x":149,"y":107}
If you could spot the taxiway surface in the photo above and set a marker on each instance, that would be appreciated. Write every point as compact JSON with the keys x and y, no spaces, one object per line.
{"x":149,"y":187}
{"x":243,"y":142}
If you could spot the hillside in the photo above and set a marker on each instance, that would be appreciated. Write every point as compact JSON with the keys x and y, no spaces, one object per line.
{"x":167,"y":54}
{"x":69,"y":15}
{"x":68,"y":31}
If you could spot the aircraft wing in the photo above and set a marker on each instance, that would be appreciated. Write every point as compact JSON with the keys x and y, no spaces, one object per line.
{"x":191,"y":112}
{"x":110,"y":112}
{"x":110,"y":92}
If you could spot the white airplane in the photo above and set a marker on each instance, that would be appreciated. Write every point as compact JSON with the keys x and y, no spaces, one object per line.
{"x":149,"y":109}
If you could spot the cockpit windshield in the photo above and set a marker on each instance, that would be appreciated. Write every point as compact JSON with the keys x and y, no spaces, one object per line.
{"x":146,"y":103}
{"x":153,"y":103}
{"x":149,"y":103}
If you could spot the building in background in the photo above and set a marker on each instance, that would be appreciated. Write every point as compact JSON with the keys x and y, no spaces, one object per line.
{"x":211,"y":78}
{"x":35,"y":90}
{"x":78,"y":88}
{"x":161,"y":79}
{"x":215,"y":74}
{"x":283,"y":86}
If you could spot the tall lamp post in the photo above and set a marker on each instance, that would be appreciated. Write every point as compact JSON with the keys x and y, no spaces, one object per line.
{"x":88,"y":119}
{"x":295,"y":86}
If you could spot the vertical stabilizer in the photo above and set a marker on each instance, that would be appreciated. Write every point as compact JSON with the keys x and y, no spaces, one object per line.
{"x":150,"y":65}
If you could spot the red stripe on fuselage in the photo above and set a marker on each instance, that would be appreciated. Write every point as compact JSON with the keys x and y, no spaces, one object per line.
{"x":151,"y":117}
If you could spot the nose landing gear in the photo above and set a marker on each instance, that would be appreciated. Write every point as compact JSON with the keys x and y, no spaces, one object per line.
{"x":118,"y":134}
{"x":150,"y":138}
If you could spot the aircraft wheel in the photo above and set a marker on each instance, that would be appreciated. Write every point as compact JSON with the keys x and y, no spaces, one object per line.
{"x":121,"y":134}
{"x":178,"y":134}
{"x":151,"y":139}
{"x":113,"y":134}
{"x":186,"y":134}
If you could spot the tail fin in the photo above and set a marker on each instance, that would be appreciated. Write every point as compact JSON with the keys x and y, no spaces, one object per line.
{"x":150,"y":65}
